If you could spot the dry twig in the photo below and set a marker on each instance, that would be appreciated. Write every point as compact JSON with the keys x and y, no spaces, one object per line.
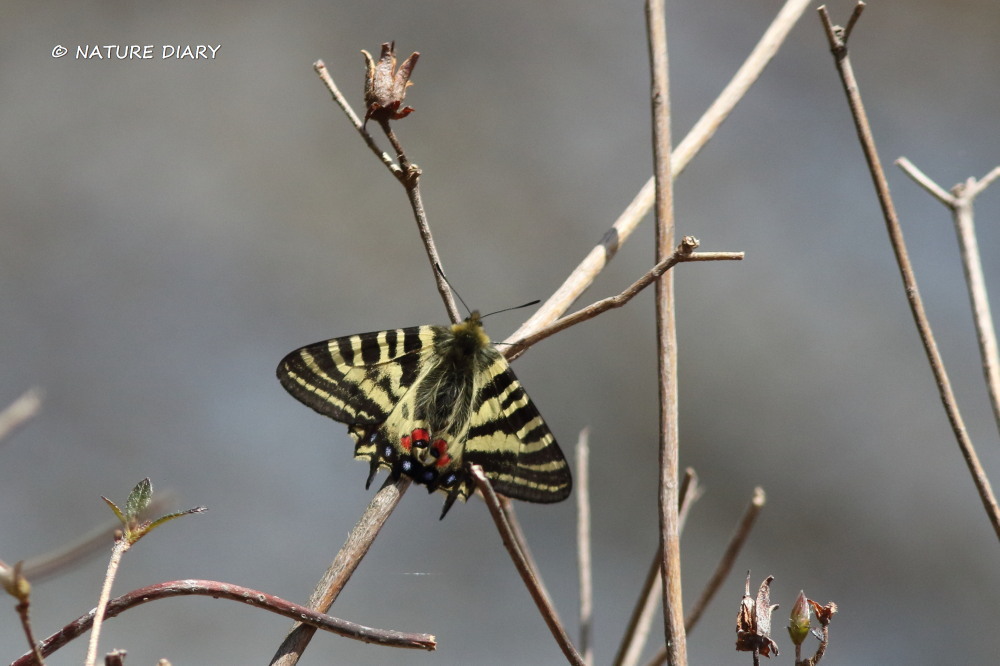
{"x":527,"y":575}
{"x":722,"y":570}
{"x":583,"y":544}
{"x":244,"y":595}
{"x":682,"y":253}
{"x":590,"y":267}
{"x":703,"y":130}
{"x":409,"y":175}
{"x":728,"y":559}
{"x":347,"y":560}
{"x":666,"y":337}
{"x":19,"y":412}
{"x":385,"y":501}
{"x":641,"y":620}
{"x":959,"y":202}
{"x":838,"y":38}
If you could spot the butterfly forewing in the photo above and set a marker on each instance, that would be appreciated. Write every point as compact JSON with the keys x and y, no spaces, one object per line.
{"x":357,"y":379}
{"x":427,"y":401}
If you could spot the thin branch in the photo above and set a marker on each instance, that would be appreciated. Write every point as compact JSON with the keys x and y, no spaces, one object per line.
{"x":17,"y":586}
{"x":959,"y":202}
{"x":839,"y":49}
{"x":697,"y":138}
{"x":675,"y":637}
{"x":423,"y":226}
{"x":683,"y":253}
{"x":725,"y":565}
{"x":121,"y":546}
{"x":517,"y":534}
{"x":19,"y":412}
{"x":341,"y":101}
{"x":921,"y":179}
{"x":510,"y":543}
{"x":855,"y":15}
{"x":97,"y":539}
{"x":595,"y":261}
{"x":510,"y":515}
{"x":243,"y":595}
{"x":23,"y":609}
{"x":408,"y":175}
{"x":385,"y":501}
{"x":637,"y":631}
{"x":583,"y":544}
{"x":347,"y":560}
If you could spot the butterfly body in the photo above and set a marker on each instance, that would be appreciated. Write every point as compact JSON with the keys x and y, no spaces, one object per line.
{"x":427,"y":401}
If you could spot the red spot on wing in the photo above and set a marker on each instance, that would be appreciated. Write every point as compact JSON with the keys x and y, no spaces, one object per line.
{"x":405,"y":442}
{"x":421,"y":437}
{"x":440,"y":451}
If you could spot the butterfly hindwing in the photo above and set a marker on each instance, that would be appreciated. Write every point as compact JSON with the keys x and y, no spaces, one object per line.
{"x":511,"y":442}
{"x":426,"y":402}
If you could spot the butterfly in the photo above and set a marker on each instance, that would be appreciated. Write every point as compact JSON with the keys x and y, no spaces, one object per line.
{"x":427,"y":402}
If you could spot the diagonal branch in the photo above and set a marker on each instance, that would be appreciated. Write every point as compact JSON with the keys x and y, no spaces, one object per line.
{"x":527,"y":575}
{"x":347,"y":560}
{"x":725,"y":565}
{"x":19,"y":412}
{"x":595,"y":261}
{"x":838,"y":46}
{"x":408,"y":175}
{"x":683,"y":253}
{"x":386,"y":500}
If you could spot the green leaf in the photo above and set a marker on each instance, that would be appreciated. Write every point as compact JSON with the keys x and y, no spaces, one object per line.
{"x":138,"y":500}
{"x":170,"y":516}
{"x":118,"y":512}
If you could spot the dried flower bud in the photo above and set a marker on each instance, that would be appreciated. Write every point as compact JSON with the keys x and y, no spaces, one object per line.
{"x":798,"y":624}
{"x":753,"y":622}
{"x":823,"y":613}
{"x":386,"y":88}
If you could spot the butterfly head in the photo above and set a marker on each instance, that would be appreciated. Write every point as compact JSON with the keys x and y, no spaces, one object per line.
{"x":469,"y":335}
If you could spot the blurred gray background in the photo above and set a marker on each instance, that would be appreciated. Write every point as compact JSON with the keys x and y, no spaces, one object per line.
{"x":170,"y":229}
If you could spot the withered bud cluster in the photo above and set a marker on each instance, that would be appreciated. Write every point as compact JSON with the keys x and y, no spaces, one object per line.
{"x":385,"y":86}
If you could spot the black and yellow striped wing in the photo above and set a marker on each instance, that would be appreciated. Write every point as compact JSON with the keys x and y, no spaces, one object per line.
{"x":357,"y":379}
{"x":511,"y":442}
{"x":426,"y":402}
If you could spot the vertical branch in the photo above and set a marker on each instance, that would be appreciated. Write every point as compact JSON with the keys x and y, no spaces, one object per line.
{"x":666,"y":337}
{"x":583,"y":544}
{"x":634,"y":638}
{"x":838,"y":37}
{"x":973,"y":267}
{"x":121,"y":545}
{"x":959,"y":202}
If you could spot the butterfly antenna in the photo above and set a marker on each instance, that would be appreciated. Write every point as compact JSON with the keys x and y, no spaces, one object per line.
{"x":516,"y":307}
{"x":452,"y":287}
